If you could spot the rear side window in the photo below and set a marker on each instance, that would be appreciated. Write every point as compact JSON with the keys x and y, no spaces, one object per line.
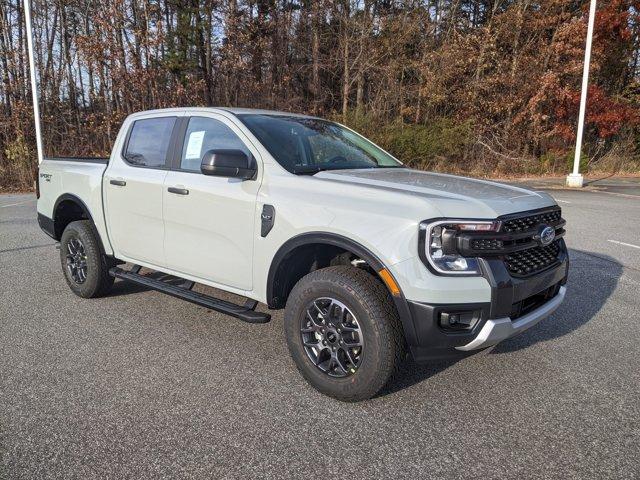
{"x":149,"y":142}
{"x":205,"y":134}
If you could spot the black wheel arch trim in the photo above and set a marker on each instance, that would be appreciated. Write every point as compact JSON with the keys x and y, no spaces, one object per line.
{"x":83,"y":206}
{"x":356,"y":248}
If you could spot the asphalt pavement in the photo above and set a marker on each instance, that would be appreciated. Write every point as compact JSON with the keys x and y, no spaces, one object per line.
{"x":143,"y":385}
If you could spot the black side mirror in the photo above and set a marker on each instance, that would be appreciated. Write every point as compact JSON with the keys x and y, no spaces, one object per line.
{"x":228,"y":163}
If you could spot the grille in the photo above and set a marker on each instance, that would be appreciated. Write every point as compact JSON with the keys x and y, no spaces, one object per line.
{"x":533,"y":260}
{"x":486,"y":244}
{"x":523,"y":224}
{"x":529,"y":304}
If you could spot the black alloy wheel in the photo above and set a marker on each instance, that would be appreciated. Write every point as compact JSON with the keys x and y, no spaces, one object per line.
{"x":343,"y":332}
{"x":84,"y":264}
{"x":76,"y":260}
{"x":332,"y":337}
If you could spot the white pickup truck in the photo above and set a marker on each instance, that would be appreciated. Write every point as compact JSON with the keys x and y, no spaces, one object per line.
{"x":369,"y":259}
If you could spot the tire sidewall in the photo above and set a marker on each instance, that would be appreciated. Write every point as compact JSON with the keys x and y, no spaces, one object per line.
{"x":366,"y":381}
{"x":95,"y":266}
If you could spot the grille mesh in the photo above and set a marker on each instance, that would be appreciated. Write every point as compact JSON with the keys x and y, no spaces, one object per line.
{"x":486,"y":244}
{"x":523,"y":224}
{"x":533,"y":260}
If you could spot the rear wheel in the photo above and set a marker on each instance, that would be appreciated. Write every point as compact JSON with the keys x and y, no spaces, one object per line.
{"x":85,"y":268}
{"x":343,"y":332}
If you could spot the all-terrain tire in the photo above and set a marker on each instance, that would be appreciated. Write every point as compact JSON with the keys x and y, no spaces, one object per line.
{"x":371,"y":304}
{"x":96,"y":281}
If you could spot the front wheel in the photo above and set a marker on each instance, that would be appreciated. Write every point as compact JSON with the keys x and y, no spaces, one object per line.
{"x":85,"y":268}
{"x":343,"y":332}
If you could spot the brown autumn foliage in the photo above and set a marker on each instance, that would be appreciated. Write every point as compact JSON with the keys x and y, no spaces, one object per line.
{"x":484,"y":87}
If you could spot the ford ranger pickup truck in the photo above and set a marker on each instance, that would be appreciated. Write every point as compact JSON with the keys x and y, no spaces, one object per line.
{"x":369,"y":259}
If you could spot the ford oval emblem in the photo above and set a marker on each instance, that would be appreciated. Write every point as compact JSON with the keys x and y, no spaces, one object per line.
{"x":546,"y":235}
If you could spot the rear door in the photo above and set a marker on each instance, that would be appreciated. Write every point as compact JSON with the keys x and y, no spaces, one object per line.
{"x":133,"y":187}
{"x":209,"y":221}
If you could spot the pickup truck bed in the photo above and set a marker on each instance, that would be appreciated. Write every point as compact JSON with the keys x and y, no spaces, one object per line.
{"x":79,"y":181}
{"x":69,"y":174}
{"x":103,"y":160}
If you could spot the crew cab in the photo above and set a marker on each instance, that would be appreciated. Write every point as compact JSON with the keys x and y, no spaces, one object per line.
{"x":369,"y":259}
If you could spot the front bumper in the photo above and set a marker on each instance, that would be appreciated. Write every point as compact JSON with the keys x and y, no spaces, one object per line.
{"x":509,"y":312}
{"x":494,"y":331}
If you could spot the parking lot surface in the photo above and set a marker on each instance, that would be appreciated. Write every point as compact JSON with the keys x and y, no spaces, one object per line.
{"x":143,"y":385}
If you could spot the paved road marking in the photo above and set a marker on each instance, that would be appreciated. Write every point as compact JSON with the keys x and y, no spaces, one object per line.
{"x":627,"y":195}
{"x":625,"y":244}
{"x":19,"y":203}
{"x":561,"y":201}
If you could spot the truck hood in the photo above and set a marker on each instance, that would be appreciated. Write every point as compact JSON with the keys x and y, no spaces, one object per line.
{"x":451,"y":195}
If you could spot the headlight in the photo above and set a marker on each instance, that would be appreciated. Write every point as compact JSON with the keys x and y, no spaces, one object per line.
{"x":439,"y":245}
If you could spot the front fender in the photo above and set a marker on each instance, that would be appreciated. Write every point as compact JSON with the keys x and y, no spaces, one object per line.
{"x":333,"y":239}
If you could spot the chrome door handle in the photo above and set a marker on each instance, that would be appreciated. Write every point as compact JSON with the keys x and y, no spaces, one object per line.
{"x":178,"y":191}
{"x":120,"y":183}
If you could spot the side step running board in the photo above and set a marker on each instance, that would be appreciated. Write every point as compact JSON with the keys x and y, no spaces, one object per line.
{"x":244,"y":312}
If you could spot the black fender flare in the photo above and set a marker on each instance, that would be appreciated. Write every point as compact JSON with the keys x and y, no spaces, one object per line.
{"x":85,"y":210}
{"x":75,"y":199}
{"x":352,"y":246}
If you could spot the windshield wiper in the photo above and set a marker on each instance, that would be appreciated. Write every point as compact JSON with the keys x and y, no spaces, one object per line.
{"x":308,"y":170}
{"x":313,"y":169}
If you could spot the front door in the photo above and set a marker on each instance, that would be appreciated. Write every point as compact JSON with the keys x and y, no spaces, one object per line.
{"x":209,"y":221}
{"x":133,"y":186}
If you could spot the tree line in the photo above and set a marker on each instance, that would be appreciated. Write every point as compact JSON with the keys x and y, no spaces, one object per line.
{"x":476,"y":86}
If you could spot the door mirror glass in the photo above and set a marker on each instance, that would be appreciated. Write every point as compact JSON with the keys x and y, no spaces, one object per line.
{"x":228,"y":163}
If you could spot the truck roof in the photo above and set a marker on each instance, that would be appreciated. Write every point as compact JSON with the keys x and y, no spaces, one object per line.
{"x":232,"y":110}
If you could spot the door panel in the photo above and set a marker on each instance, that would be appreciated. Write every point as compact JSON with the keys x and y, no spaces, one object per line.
{"x":209,"y":231}
{"x":209,"y":221}
{"x":134,"y":213}
{"x":133,"y":186}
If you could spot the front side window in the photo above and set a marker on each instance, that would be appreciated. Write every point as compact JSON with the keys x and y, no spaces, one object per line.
{"x":204,"y":134}
{"x":149,"y":141}
{"x":305,"y":145}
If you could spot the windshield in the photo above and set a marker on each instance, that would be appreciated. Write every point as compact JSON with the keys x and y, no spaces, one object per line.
{"x":309,"y":145}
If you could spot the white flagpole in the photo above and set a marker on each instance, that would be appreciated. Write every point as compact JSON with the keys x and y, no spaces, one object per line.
{"x":32,"y":74}
{"x":575,"y":179}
